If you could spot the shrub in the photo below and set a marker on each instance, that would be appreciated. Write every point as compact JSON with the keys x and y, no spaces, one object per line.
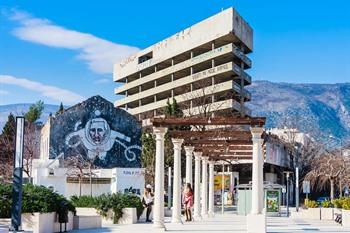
{"x":34,"y":199}
{"x":326,"y":204}
{"x":5,"y":200}
{"x":84,"y":201}
{"x":311,"y":204}
{"x":115,"y":202}
{"x":346,"y":204}
{"x":338,"y":203}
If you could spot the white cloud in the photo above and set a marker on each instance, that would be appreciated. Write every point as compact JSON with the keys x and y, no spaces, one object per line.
{"x":55,"y":93}
{"x":3,"y":92}
{"x":99,"y":54}
{"x":103,"y":81}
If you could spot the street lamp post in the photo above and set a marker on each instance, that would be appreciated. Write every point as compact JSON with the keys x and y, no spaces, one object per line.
{"x":297,"y":178}
{"x":17,"y":176}
{"x":287,"y":198}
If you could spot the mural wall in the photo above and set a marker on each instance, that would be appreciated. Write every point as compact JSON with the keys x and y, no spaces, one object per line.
{"x":98,"y":132}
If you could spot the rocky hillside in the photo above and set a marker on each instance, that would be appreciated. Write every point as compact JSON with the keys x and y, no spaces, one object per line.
{"x":321,"y":109}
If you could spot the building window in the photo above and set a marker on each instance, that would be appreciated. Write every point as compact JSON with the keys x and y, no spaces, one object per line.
{"x":146,"y":57}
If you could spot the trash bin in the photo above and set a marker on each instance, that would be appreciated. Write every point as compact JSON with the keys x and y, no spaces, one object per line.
{"x":63,"y":215}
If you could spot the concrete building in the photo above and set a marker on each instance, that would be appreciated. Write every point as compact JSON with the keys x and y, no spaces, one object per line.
{"x":90,"y":148}
{"x":202,"y":65}
{"x":291,"y":135}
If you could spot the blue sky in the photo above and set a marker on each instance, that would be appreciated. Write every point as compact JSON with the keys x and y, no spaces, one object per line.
{"x":64,"y":50}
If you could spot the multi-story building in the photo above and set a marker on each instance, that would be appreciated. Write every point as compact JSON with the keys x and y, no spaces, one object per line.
{"x":202,"y":67}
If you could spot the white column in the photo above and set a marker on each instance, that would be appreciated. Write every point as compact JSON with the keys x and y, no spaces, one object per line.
{"x":256,"y":220}
{"x":189,"y":152}
{"x":176,"y":216}
{"x":211,"y":188}
{"x":204,"y":212}
{"x":169,"y":188}
{"x":197,"y":174}
{"x":158,"y":211}
{"x":257,"y":172}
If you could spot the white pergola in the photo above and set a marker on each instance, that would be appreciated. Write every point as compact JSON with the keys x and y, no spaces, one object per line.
{"x":207,"y":147}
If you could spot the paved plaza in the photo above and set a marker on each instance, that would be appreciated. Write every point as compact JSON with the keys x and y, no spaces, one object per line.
{"x":229,"y":222}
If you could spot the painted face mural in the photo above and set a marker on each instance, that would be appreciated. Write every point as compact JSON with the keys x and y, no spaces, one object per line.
{"x":98,"y":138}
{"x":97,"y":131}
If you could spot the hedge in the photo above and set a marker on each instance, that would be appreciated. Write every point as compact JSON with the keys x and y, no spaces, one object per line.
{"x":106,"y":202}
{"x":35,"y":199}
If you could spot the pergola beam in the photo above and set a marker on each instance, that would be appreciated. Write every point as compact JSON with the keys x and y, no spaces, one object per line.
{"x":218,"y":153}
{"x":227,"y":147}
{"x":202,"y":142}
{"x":230,"y":135}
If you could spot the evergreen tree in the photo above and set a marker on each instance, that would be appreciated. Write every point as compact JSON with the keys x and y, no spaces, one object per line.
{"x":34,"y":112}
{"x":175,"y":109}
{"x":9,"y":128}
{"x":60,"y":110}
{"x":168,"y":108}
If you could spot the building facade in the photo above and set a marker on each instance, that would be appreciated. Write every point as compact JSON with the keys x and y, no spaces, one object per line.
{"x":89,"y":149}
{"x":96,"y":131}
{"x":202,"y":67}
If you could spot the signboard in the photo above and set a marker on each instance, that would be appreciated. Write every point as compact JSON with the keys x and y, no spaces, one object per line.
{"x":218,"y":182}
{"x":306,"y":186}
{"x":272,"y":201}
{"x":128,"y":180}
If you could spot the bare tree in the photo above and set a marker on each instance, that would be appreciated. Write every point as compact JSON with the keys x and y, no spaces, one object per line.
{"x":31,"y":146}
{"x":326,"y":170}
{"x":6,"y":159}
{"x":76,"y":167}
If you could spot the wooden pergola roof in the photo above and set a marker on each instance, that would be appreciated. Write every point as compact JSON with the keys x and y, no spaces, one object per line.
{"x":186,"y":121}
{"x":229,"y":138}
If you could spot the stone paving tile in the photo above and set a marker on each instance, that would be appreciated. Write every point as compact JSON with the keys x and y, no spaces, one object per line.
{"x":229,"y":223}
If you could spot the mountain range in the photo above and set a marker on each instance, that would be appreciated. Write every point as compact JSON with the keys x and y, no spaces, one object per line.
{"x":319,"y":109}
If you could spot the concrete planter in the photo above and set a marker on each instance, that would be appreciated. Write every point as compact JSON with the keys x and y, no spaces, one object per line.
{"x":44,"y":222}
{"x":87,"y":218}
{"x":327,"y":213}
{"x":312,"y":213}
{"x":87,"y":222}
{"x":129,"y":217}
{"x":86,"y":211}
{"x":346,"y":218}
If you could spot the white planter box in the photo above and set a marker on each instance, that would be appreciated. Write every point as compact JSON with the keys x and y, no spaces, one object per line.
{"x":312,"y":213}
{"x":129,"y":216}
{"x":327,"y":213}
{"x":86,"y":211}
{"x":346,"y":218}
{"x":44,"y":222}
{"x":87,"y":222}
{"x":109,"y":219}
